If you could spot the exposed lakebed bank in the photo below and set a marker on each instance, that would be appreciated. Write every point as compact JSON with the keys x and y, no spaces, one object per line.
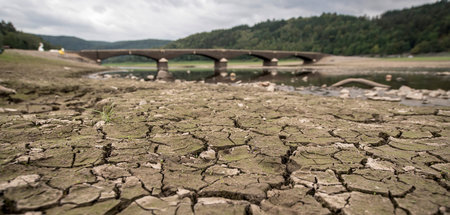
{"x":431,"y":84}
{"x":185,"y":148}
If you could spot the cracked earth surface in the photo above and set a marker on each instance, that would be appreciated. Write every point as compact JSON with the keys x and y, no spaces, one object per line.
{"x":191,"y":148}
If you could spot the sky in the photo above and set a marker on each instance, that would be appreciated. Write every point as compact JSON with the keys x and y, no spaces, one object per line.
{"x":115,"y":20}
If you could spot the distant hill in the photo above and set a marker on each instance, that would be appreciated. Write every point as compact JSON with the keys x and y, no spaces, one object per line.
{"x":415,"y":30}
{"x":12,"y":38}
{"x":76,"y":44}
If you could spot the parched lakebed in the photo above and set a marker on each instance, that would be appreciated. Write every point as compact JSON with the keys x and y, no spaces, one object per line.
{"x":74,"y":145}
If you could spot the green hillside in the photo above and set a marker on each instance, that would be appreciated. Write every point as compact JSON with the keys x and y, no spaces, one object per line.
{"x":416,"y":30}
{"x":10,"y":37}
{"x":74,"y":43}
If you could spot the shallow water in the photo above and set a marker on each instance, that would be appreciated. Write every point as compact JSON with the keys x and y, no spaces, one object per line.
{"x":417,"y":78}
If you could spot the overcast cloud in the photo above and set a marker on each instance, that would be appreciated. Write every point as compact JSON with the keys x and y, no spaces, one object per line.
{"x":113,"y":20}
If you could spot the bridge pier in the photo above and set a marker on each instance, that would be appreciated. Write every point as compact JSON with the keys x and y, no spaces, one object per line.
{"x":220,"y":66}
{"x":271,"y":62}
{"x":163,"y":70}
{"x":162,"y":64}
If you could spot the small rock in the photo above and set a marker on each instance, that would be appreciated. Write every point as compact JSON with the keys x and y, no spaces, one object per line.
{"x":425,"y":91}
{"x":183,"y":192}
{"x":343,"y":145}
{"x":154,"y":165}
{"x":102,"y":103}
{"x":99,"y":124}
{"x":142,"y":102}
{"x":388,"y":77}
{"x":443,"y":112}
{"x":405,"y":89}
{"x":436,"y":93}
{"x":33,"y":213}
{"x":265,"y":84}
{"x":271,"y":88}
{"x":378,"y":165}
{"x":4,"y":110}
{"x":219,"y":200}
{"x":379,"y":89}
{"x":385,"y":98}
{"x":414,"y":96}
{"x":408,"y":168}
{"x":6,"y":91}
{"x":344,"y":91}
{"x":371,"y":94}
{"x":110,"y":171}
{"x":399,"y":79}
{"x":344,"y":96}
{"x":208,"y":155}
{"x":391,"y":92}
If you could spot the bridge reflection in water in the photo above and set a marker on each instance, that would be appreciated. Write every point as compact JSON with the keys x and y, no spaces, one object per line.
{"x":220,"y":56}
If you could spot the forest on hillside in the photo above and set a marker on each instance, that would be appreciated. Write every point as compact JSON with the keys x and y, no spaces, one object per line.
{"x":76,"y":44}
{"x":11,"y":37}
{"x":415,"y":30}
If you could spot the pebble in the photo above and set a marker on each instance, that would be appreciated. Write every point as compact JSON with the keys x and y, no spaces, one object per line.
{"x":142,"y":102}
{"x":99,"y":124}
{"x":408,"y":168}
{"x":4,"y":110}
{"x":271,"y":88}
{"x":344,"y":91}
{"x":6,"y":91}
{"x":208,"y":155}
{"x":436,"y":93}
{"x":371,"y":94}
{"x":414,"y":96}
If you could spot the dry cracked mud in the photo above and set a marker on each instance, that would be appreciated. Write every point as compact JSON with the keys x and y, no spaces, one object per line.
{"x":192,"y":148}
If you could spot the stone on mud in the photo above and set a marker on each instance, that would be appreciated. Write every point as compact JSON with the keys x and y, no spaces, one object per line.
{"x":216,"y":205}
{"x":110,"y":171}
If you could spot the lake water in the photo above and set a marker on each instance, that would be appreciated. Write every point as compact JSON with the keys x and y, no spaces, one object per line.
{"x":417,"y":78}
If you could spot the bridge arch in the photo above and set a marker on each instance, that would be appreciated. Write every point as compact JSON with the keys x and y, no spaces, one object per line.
{"x":306,"y":60}
{"x":193,"y":54}
{"x":102,"y":55}
{"x":120,"y":55}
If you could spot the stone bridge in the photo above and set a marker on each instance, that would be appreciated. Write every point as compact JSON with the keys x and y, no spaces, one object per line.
{"x":220,"y":56}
